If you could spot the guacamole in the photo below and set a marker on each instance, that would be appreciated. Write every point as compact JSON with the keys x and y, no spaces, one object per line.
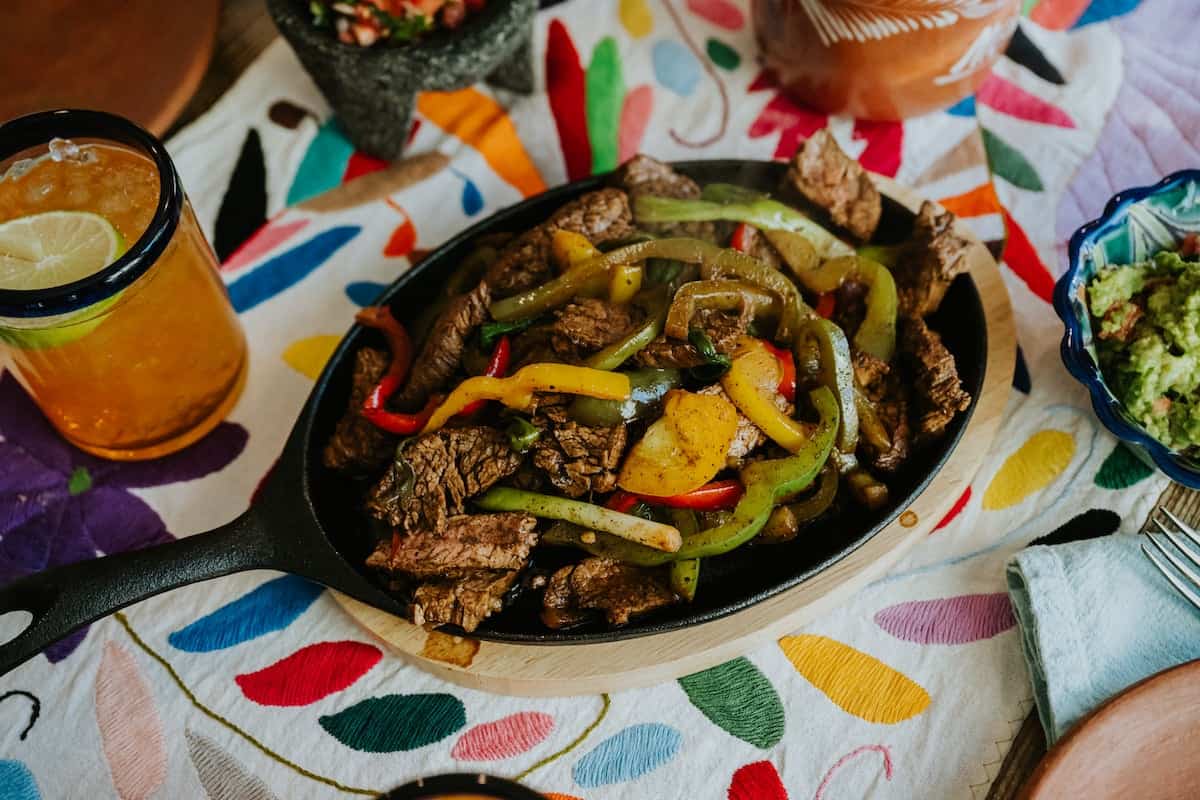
{"x":1147,"y":323}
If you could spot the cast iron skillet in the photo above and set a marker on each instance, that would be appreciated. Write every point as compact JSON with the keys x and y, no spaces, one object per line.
{"x":309,"y":520}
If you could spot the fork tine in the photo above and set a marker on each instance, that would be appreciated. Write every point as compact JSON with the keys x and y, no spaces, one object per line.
{"x":1169,"y":574}
{"x":1182,"y":545}
{"x":1187,"y":530}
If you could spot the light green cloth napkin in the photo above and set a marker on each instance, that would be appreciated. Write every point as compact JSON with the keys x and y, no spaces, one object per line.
{"x":1095,"y":617}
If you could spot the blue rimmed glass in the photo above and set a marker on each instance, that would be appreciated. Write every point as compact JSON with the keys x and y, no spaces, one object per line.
{"x":145,"y":355}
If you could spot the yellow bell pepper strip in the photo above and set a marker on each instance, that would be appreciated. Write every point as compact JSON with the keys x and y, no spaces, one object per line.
{"x":683,"y":449}
{"x":569,"y":248}
{"x":646,"y":532}
{"x":739,"y":206}
{"x":768,"y":482}
{"x":753,"y":377}
{"x":624,"y":282}
{"x":836,"y":372}
{"x":685,"y":574}
{"x":877,"y":333}
{"x":647,"y":388}
{"x":727,"y":295}
{"x":516,"y":391}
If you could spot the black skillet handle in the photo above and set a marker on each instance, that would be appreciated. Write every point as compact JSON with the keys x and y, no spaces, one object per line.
{"x":66,"y":598}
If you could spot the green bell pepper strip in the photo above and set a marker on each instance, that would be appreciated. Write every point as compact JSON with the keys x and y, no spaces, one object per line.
{"x":886,"y":254}
{"x":521,"y":434}
{"x":836,"y":373}
{"x":590,"y":277}
{"x":737,"y":205}
{"x":645,"y":532}
{"x":767,"y":482}
{"x":604,"y":545}
{"x":877,"y":333}
{"x":685,"y":574}
{"x":624,"y":349}
{"x":723,"y":294}
{"x":647,"y":389}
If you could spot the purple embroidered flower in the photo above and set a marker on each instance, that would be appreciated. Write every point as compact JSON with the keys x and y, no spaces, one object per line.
{"x":59,"y":505}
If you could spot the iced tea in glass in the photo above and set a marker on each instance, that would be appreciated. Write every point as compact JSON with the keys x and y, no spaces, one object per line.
{"x":112,"y":314}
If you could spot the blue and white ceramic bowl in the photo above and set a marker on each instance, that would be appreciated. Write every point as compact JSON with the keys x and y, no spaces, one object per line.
{"x":1135,"y":225}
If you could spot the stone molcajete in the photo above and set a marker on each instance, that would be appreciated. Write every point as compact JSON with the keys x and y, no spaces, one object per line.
{"x":372,"y":90}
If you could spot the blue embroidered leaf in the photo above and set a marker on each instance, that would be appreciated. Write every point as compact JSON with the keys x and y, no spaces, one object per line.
{"x":472,"y":198}
{"x":271,"y":607}
{"x":16,"y":781}
{"x":287,"y":269}
{"x":363,"y":293}
{"x":628,"y":754}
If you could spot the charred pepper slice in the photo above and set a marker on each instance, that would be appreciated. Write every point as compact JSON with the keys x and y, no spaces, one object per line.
{"x":374,"y":408}
{"x":767,"y":482}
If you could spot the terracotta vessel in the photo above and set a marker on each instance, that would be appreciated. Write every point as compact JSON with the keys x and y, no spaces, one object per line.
{"x":882,"y":59}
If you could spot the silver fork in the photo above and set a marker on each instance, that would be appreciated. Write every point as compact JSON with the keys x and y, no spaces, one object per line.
{"x":1183,"y":576}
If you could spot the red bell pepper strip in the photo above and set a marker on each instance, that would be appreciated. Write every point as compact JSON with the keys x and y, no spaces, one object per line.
{"x":741,"y":238}
{"x":714,"y":496}
{"x":622,"y":501}
{"x":374,"y":408}
{"x":826,"y":304}
{"x":497,"y":368}
{"x":787,"y":381}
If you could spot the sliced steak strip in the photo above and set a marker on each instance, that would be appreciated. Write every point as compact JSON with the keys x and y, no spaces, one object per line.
{"x":619,"y":590}
{"x":893,"y":413}
{"x":724,"y":330}
{"x":442,"y":352}
{"x":464,"y":602}
{"x":870,"y":372}
{"x":447,"y":467}
{"x":601,"y":216}
{"x":469,"y":542}
{"x":939,"y":395}
{"x":577,"y":459}
{"x":356,"y":444}
{"x":830,"y":179}
{"x":643,"y":175}
{"x":587,"y":325}
{"x":933,"y":257}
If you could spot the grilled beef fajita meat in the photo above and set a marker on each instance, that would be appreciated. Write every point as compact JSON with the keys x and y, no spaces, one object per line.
{"x":436,"y":473}
{"x":620,"y":591}
{"x":589,"y":324}
{"x":723,"y":329}
{"x":357,"y":445}
{"x":830,"y":179}
{"x":934,"y":256}
{"x":645,"y":175}
{"x":464,"y":602}
{"x":470,"y":542}
{"x":601,"y":216}
{"x":577,"y":459}
{"x":442,"y":352}
{"x":939,"y":395}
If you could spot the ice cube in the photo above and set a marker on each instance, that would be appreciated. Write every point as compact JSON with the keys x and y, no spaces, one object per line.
{"x":18,"y":169}
{"x":65,"y":150}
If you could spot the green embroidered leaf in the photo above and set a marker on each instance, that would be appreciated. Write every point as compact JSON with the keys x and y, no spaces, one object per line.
{"x":1007,"y":162}
{"x":1121,"y":469}
{"x":722,"y":54}
{"x":396,"y":722}
{"x":605,"y":92}
{"x":737,"y":698}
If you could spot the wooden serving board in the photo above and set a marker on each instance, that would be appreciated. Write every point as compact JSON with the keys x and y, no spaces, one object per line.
{"x":557,"y":670}
{"x":141,"y":59}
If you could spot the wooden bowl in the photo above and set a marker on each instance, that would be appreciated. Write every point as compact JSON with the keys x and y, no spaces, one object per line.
{"x":883,"y":59}
{"x":1141,"y":744}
